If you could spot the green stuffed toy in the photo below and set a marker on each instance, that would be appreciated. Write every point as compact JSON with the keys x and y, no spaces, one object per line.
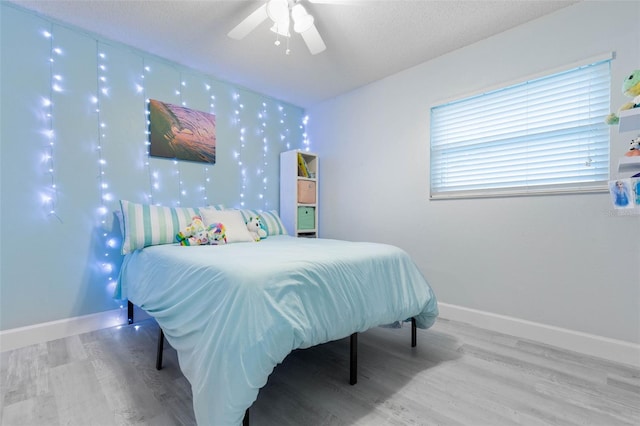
{"x":630,"y":88}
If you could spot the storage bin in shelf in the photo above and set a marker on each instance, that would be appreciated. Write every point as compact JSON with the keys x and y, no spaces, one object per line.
{"x":306,"y":218}
{"x":306,"y":191}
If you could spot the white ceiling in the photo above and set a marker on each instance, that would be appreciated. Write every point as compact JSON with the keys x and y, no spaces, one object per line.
{"x":366,"y":40}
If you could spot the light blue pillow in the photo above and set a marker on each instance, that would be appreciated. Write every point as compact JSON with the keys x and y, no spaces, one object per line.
{"x":273,"y":222}
{"x":147,"y":225}
{"x":270,"y":219}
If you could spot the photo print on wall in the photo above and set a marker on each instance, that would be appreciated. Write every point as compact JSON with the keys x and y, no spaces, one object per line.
{"x":622,"y":193}
{"x":181,"y":133}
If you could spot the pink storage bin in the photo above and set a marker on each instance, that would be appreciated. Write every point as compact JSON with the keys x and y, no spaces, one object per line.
{"x":306,"y":192}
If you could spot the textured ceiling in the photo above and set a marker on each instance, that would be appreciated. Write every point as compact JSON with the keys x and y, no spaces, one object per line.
{"x":366,"y":40}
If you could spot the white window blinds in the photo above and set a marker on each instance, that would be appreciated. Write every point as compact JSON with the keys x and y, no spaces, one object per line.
{"x":541,"y":136}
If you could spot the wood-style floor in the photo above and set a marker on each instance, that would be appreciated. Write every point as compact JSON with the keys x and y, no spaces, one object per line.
{"x":458,"y":375}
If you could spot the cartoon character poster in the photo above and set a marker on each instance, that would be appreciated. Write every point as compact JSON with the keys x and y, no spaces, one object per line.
{"x":622,"y":194}
{"x":635,"y":185}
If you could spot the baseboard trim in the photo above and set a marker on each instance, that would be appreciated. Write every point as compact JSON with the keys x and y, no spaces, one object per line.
{"x":589,"y":344}
{"x":39,"y":333}
{"x":584,"y":343}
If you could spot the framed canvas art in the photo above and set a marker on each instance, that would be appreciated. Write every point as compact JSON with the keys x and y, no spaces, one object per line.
{"x":181,"y":133}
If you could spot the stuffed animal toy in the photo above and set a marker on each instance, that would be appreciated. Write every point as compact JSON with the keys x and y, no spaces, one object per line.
{"x":630,"y":88}
{"x":217,"y":234}
{"x":197,"y":234}
{"x":634,"y":149}
{"x":256,"y":228}
{"x":196,"y":226}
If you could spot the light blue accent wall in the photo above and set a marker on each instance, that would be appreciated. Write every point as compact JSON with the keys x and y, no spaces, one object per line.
{"x":56,"y":260}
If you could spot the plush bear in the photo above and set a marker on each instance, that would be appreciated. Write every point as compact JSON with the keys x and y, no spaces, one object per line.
{"x":631,"y":89}
{"x":256,"y":228}
{"x":197,"y":234}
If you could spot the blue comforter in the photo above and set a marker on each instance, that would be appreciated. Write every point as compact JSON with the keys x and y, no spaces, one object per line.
{"x":233,"y":312}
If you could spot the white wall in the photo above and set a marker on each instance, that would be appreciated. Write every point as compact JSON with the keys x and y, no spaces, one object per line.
{"x":564,"y":261}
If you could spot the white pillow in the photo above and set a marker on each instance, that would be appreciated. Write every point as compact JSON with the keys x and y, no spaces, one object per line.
{"x":235,"y":228}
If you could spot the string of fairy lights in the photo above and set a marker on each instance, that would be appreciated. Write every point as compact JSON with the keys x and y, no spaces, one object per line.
{"x":303,"y":126}
{"x":105,"y":197}
{"x":102,"y":93}
{"x":205,"y":169}
{"x":49,"y":195}
{"x":269,"y":113}
{"x":284,"y":133}
{"x":261,"y":174}
{"x":177,"y":168}
{"x":239,"y":107}
{"x":153,"y":176}
{"x":270,"y":128}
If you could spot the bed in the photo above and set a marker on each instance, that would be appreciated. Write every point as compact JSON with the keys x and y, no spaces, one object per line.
{"x":234,"y":311}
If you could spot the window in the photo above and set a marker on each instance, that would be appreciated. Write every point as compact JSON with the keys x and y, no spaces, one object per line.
{"x":545,"y":135}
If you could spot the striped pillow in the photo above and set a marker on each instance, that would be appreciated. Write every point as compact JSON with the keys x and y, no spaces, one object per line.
{"x":270,"y":219}
{"x":148,"y":225}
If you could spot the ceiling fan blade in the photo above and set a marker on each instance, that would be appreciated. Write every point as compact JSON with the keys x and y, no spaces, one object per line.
{"x":249,"y":23}
{"x":313,"y":40}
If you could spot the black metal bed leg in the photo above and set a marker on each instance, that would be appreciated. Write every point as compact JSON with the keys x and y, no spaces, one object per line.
{"x":245,"y":421}
{"x":413,"y":333}
{"x":129,"y":312}
{"x":353,"y":359}
{"x":160,"y":348}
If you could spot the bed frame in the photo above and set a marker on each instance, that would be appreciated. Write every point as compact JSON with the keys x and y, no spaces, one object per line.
{"x":353,"y":352}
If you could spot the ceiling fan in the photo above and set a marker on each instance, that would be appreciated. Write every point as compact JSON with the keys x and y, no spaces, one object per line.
{"x":282,"y":12}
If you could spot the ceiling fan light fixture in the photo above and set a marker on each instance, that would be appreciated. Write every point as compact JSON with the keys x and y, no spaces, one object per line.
{"x":281,"y":12}
{"x":278,"y":10}
{"x":302,"y":20}
{"x":281,"y":28}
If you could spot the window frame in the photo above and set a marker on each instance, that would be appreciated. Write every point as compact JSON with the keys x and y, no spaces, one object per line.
{"x":595,"y":186}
